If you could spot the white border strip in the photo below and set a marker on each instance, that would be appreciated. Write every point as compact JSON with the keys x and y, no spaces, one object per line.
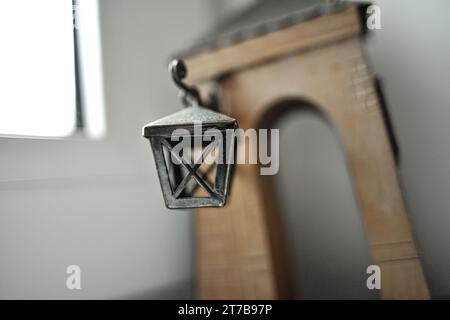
{"x":91,"y":68}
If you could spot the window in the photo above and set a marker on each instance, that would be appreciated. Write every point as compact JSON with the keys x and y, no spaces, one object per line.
{"x":39,"y":76}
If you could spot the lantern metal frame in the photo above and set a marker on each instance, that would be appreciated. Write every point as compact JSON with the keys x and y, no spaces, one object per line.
{"x":163,"y":132}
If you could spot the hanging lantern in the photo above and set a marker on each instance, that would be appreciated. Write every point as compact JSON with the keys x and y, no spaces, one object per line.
{"x":193,"y":150}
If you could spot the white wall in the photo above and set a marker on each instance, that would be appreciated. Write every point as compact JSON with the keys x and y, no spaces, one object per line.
{"x":98,"y":204}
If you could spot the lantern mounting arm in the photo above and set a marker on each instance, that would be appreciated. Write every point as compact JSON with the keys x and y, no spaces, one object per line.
{"x":190,"y":94}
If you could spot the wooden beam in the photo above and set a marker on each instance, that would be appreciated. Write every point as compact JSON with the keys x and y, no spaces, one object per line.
{"x":305,"y":35}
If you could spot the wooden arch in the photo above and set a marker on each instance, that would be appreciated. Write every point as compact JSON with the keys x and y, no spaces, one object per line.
{"x":241,"y":251}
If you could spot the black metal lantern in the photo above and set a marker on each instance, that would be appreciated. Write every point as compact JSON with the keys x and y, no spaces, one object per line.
{"x":183,"y":142}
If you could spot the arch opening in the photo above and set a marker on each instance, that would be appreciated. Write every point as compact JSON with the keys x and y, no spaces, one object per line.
{"x":326,"y":247}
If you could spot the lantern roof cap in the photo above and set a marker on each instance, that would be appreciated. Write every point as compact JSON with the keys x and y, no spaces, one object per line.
{"x":188,"y":117}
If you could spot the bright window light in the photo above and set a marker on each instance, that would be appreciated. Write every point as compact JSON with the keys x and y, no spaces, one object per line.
{"x":37,"y":68}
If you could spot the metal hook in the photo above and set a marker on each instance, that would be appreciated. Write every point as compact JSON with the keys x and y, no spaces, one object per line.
{"x":178,"y":70}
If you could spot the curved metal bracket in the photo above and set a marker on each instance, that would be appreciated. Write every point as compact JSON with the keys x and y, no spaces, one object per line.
{"x":179,"y":71}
